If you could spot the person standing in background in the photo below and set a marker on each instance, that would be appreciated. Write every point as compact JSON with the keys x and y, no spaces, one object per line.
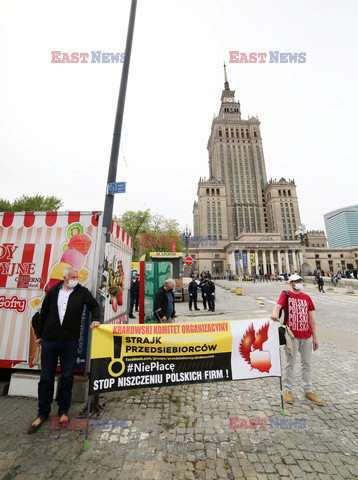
{"x":193,"y":294}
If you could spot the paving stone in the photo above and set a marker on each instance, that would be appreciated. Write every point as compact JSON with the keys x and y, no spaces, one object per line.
{"x":282,"y":470}
{"x":237,"y":471}
{"x":317,"y":467}
{"x":210,"y":474}
{"x":296,"y":471}
{"x":353,"y":469}
{"x":259,"y":468}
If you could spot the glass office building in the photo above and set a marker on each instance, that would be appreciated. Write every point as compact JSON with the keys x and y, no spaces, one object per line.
{"x":342,"y":227}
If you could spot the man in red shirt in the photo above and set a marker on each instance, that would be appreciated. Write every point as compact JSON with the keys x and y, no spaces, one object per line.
{"x":301,"y":323}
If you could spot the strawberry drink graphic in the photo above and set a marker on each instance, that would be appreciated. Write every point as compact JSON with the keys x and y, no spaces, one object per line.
{"x":251,"y":348}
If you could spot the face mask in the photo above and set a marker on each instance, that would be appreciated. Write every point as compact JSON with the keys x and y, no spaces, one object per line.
{"x":299,"y":286}
{"x":72,"y":283}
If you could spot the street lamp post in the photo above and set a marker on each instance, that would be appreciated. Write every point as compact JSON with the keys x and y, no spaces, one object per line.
{"x":186,"y":236}
{"x":93,"y":401}
{"x":302,"y":234}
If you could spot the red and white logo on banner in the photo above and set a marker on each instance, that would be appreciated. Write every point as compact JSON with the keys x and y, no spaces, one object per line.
{"x":13,"y":303}
{"x":255,"y":349}
{"x":24,"y":266}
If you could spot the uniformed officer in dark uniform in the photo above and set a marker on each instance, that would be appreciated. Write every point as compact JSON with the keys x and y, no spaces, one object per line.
{"x":193,"y":294}
{"x":210,"y":293}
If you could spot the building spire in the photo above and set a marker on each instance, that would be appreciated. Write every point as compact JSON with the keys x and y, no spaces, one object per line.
{"x":226,"y":82}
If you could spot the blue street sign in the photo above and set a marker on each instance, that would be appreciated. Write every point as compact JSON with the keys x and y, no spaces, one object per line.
{"x":118,"y":187}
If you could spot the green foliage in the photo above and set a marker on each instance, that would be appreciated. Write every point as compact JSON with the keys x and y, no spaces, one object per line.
{"x":159,"y":228}
{"x":38,"y":203}
{"x":5,"y":205}
{"x":135,"y":223}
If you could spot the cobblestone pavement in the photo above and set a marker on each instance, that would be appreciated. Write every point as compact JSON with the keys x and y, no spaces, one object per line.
{"x":184,"y":432}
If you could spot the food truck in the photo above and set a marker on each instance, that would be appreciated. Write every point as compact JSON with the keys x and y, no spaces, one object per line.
{"x":35,"y":250}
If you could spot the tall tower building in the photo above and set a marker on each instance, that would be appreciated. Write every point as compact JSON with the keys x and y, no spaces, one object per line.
{"x":237,"y":209}
{"x":283,"y":214}
{"x":236,"y":159}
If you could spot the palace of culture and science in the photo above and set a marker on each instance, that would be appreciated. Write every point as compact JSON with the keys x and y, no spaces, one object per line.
{"x":241,"y":216}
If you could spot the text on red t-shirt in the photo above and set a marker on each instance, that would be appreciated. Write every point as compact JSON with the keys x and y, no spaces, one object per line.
{"x":298,"y":318}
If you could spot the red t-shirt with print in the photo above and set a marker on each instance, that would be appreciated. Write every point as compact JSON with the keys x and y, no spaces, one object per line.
{"x":298,"y":307}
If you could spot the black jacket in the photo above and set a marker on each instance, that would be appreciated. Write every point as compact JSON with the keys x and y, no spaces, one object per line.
{"x":193,"y":287}
{"x":50,"y":327}
{"x":161,"y":303}
{"x":135,"y":288}
{"x":210,"y":288}
{"x":204,"y":288}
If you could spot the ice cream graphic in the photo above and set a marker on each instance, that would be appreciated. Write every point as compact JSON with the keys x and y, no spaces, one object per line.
{"x":74,"y":258}
{"x":74,"y":255}
{"x":81,"y":242}
{"x":78,"y":247}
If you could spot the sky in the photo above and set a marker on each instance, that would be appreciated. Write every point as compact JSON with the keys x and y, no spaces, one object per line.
{"x":57,"y":119}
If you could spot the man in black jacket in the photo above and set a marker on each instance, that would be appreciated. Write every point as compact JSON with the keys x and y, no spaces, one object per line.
{"x":134,"y":296}
{"x":193,"y":294}
{"x":320,"y":283}
{"x":210,"y":291}
{"x":164,"y":304}
{"x":58,"y":333}
{"x":204,"y":287}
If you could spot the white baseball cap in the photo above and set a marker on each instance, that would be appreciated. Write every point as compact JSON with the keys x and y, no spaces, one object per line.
{"x":294,"y":277}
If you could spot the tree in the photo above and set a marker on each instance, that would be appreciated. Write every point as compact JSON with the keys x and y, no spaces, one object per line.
{"x":150,"y":232}
{"x":38,"y":203}
{"x":5,"y":205}
{"x":135,"y":223}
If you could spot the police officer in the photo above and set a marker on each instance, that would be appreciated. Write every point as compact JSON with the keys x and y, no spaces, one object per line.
{"x":210,"y":292}
{"x":203,"y":287}
{"x":134,"y":296}
{"x":193,"y":294}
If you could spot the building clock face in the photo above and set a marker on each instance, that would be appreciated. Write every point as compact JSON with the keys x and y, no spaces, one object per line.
{"x":228,"y":99}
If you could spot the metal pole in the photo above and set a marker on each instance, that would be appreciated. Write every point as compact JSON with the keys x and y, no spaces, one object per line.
{"x":113,"y":163}
{"x":281,"y":388}
{"x":88,"y":416}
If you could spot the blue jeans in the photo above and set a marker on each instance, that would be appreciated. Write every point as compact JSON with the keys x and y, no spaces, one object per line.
{"x":51,"y":350}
